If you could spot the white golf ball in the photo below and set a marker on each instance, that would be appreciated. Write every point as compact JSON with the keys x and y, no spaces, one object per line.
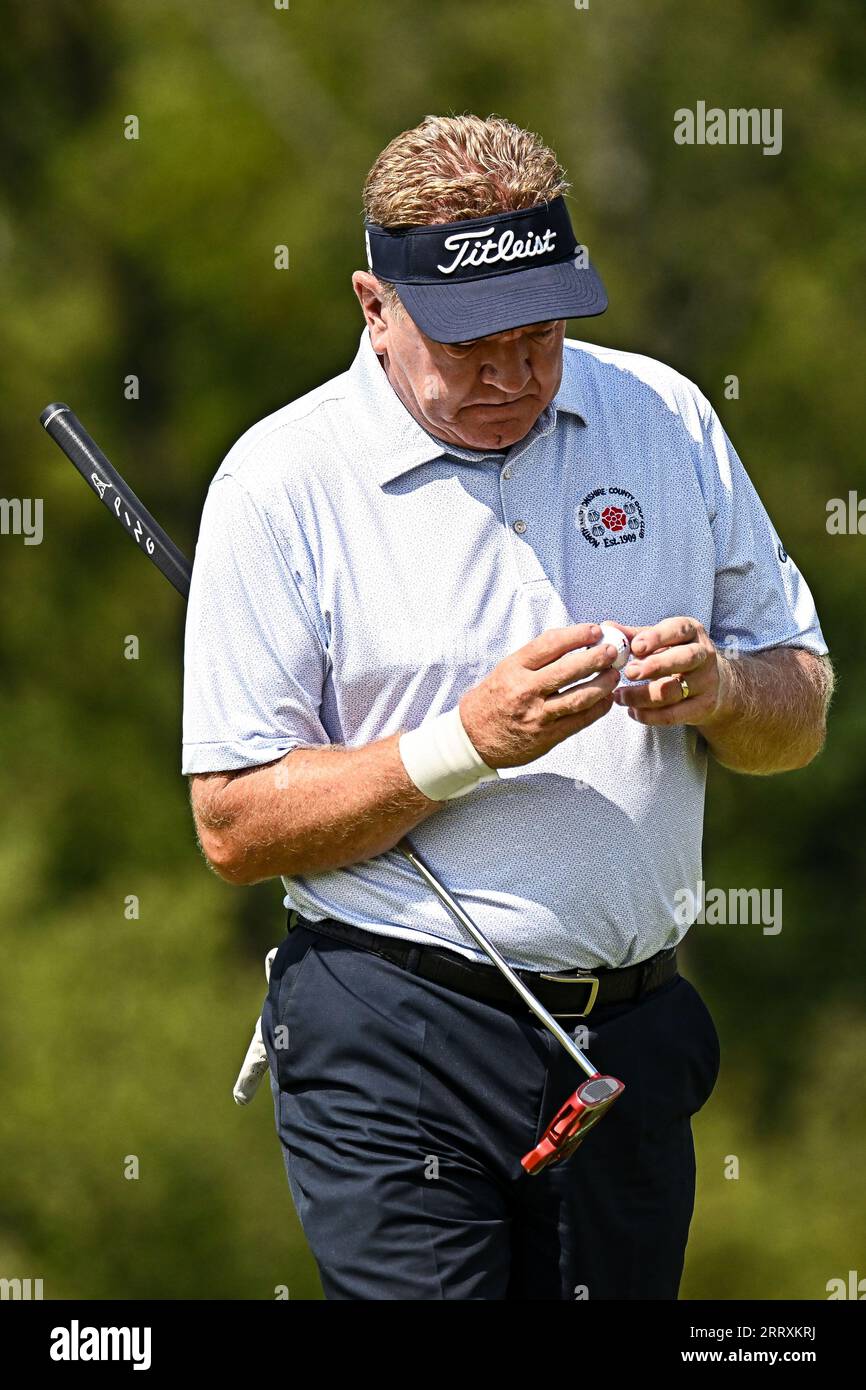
{"x":611,"y":636}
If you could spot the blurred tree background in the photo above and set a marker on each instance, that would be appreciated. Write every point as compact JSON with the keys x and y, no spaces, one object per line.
{"x":155,"y":257}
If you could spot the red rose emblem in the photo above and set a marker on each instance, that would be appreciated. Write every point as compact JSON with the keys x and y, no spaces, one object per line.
{"x":614,"y":518}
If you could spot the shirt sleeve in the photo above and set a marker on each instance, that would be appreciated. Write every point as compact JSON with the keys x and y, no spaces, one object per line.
{"x":760,"y":599}
{"x":254,"y":660}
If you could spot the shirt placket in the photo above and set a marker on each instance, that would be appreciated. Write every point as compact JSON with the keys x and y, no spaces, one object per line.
{"x":520,"y":501}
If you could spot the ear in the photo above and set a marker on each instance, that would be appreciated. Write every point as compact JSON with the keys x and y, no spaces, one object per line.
{"x":369,"y":293}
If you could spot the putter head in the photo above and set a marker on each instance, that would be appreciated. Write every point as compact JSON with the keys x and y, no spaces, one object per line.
{"x":572,"y":1122}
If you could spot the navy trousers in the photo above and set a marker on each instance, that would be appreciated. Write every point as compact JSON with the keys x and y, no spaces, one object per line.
{"x":403,"y":1110}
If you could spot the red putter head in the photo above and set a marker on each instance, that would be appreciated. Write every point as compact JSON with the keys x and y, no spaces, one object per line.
{"x":572,"y":1122}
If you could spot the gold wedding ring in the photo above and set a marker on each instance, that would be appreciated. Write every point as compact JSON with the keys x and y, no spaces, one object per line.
{"x":684,"y":686}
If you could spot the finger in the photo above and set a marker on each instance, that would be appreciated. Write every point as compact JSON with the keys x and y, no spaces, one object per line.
{"x":575,"y":701}
{"x":555,"y":643}
{"x":669,"y":632}
{"x":576,"y":666}
{"x":668,"y":662}
{"x":568,"y":724}
{"x":572,"y":724}
{"x":654,"y":695}
{"x":691,"y":711}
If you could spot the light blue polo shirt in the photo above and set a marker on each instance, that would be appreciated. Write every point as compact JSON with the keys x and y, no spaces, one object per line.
{"x":354,"y":576}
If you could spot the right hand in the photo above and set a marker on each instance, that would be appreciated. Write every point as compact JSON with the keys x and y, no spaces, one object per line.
{"x":516,"y":713}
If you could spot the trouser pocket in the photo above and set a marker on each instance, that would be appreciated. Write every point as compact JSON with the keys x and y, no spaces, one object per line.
{"x":286,"y":971}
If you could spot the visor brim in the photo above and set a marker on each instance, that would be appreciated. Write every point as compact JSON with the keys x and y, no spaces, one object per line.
{"x":477,"y":308}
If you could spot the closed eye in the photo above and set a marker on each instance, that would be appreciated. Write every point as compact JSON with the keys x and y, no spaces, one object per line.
{"x":544,"y":334}
{"x":473,"y":342}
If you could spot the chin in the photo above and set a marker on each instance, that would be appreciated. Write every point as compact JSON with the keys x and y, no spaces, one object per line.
{"x":499,"y":430}
{"x":498,"y":436}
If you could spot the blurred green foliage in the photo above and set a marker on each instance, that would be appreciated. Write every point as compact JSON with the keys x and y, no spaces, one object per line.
{"x":156,"y":257}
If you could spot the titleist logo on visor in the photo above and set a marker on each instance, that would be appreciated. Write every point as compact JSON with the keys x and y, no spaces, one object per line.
{"x":474,"y":248}
{"x":471,"y":250}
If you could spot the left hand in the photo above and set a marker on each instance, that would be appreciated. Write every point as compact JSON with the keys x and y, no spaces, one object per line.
{"x":668,"y":654}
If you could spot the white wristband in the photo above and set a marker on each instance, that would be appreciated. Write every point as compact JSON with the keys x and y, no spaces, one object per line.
{"x":441,"y":759}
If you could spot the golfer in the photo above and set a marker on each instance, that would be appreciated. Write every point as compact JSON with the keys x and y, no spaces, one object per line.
{"x":393,"y":627}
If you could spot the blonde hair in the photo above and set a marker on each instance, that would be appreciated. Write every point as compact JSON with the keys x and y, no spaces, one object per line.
{"x":450,"y":168}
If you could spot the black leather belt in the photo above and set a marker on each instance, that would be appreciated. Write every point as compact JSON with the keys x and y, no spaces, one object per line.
{"x":565,"y":993}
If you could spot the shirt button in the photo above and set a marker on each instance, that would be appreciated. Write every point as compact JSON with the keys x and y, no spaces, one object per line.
{"x":506,"y":472}
{"x":520,"y":527}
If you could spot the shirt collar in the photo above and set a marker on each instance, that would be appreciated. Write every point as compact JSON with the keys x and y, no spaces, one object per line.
{"x":398,"y":443}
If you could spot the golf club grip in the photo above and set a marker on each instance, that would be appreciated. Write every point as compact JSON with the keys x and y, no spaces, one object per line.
{"x":70,"y":435}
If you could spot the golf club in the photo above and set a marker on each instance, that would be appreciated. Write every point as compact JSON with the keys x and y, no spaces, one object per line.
{"x":594,"y":1097}
{"x":585,"y":1107}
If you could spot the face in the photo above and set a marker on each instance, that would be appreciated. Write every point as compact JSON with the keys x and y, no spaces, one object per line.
{"x":483,"y":394}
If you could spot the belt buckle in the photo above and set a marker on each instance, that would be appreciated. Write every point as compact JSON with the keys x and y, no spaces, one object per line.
{"x":591,"y":980}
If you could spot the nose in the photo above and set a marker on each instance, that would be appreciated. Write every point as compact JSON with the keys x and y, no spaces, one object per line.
{"x":508,"y":369}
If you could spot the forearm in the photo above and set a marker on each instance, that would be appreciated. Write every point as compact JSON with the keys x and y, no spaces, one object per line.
{"x":314,"y":810}
{"x":772,"y":712}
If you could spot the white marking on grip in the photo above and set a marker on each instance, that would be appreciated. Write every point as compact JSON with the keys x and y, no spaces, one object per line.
{"x":61,"y":411}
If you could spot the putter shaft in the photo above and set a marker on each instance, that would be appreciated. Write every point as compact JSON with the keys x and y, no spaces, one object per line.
{"x":465,"y":921}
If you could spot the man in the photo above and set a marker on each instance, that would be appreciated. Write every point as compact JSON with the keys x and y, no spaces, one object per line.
{"x":393,"y":627}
